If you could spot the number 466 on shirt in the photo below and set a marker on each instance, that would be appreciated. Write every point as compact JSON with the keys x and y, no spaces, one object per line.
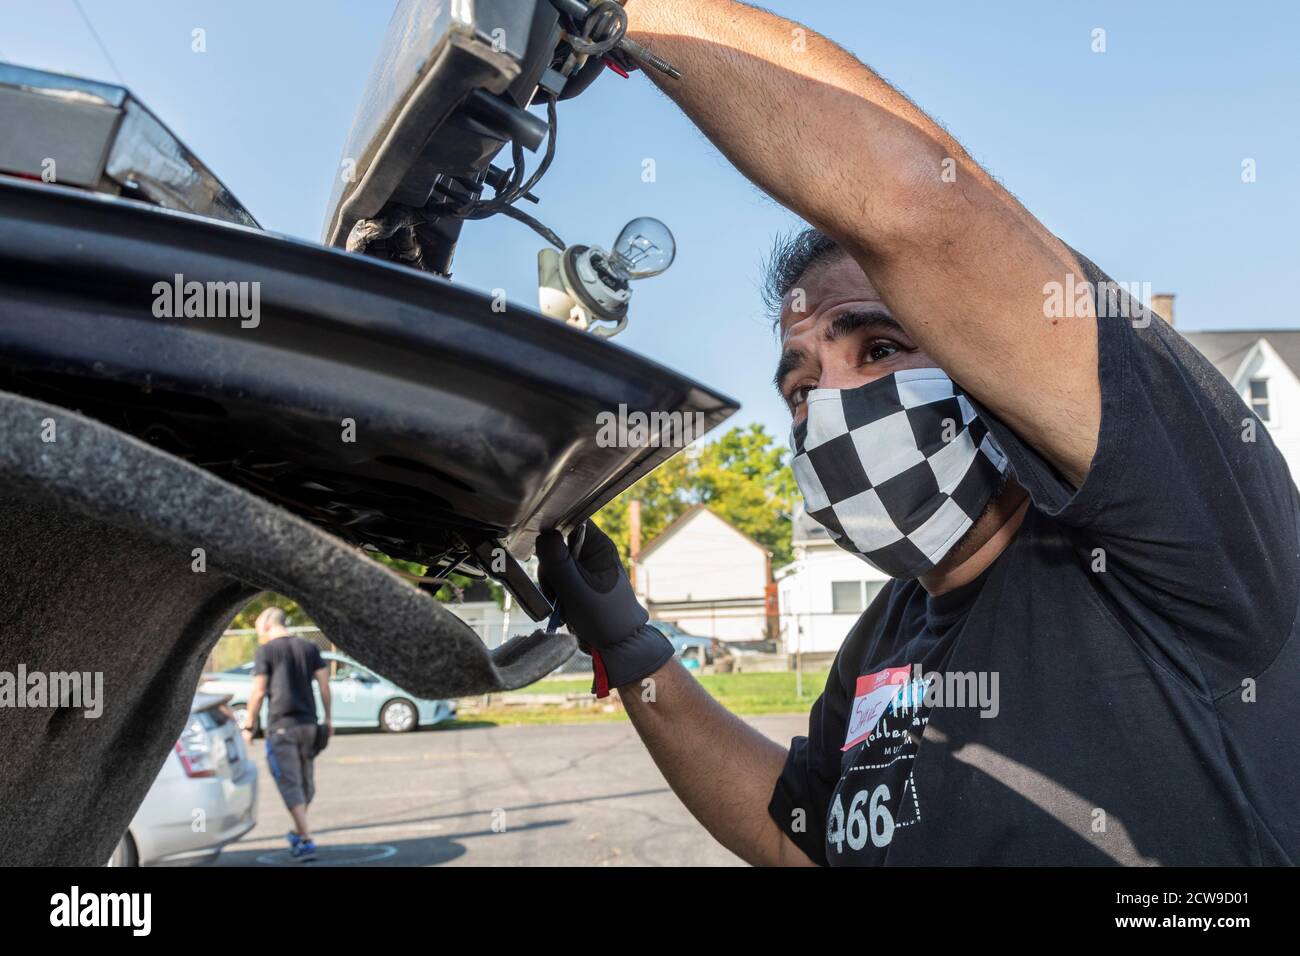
{"x":868,"y":819}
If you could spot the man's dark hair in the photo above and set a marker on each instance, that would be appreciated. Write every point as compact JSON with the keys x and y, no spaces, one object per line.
{"x":791,"y":257}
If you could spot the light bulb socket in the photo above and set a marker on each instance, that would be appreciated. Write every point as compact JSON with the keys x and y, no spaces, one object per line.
{"x":591,"y":284}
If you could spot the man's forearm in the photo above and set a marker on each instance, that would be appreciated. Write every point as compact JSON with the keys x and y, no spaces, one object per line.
{"x":720,"y":767}
{"x":781,"y":101}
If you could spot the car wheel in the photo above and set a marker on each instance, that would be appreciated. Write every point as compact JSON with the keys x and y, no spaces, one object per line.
{"x":398,"y":716}
{"x":124,"y":853}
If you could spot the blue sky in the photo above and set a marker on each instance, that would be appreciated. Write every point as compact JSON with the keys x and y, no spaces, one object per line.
{"x":1133,"y":156}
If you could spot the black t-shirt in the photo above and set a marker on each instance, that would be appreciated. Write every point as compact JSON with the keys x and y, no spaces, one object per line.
{"x":289,"y":663}
{"x":1129,"y":665}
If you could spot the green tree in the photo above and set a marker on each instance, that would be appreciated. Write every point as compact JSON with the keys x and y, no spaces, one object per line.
{"x":248,"y":616}
{"x":744,"y":477}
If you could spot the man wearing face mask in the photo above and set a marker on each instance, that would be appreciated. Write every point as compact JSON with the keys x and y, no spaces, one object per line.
{"x":1079,"y":511}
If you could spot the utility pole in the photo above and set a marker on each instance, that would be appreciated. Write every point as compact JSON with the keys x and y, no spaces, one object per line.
{"x":633,"y":539}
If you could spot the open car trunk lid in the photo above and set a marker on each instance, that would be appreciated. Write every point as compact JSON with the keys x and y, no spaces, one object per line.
{"x":158,"y":469}
{"x":390,"y":407}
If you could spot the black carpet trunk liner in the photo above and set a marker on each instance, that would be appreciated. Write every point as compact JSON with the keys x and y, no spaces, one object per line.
{"x":99,"y":533}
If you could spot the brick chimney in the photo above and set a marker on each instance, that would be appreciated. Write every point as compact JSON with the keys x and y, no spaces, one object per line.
{"x":1162,"y":304}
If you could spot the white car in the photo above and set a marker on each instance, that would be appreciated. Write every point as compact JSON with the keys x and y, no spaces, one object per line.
{"x":205,"y":796}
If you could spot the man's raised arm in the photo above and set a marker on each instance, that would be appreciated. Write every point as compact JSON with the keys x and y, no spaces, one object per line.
{"x":959,"y":262}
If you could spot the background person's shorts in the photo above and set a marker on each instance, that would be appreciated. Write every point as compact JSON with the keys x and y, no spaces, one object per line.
{"x":289,"y":753}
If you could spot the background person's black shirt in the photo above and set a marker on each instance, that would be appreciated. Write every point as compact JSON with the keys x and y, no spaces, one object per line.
{"x":1146,"y":713}
{"x":288,"y":663}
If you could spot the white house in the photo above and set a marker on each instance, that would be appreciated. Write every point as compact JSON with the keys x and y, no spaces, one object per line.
{"x":707,"y":577}
{"x":1263,"y":365}
{"x":823,"y":591}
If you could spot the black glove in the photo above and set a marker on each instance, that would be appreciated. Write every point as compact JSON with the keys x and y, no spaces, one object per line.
{"x":595,"y":598}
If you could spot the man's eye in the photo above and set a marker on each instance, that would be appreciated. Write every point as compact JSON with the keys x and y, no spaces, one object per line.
{"x":879,"y":351}
{"x":799,"y":395}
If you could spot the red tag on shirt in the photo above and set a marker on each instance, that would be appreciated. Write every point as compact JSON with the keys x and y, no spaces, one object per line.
{"x":873,"y":694}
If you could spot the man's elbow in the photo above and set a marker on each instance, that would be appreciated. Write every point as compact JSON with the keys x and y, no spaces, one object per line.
{"x":773,"y":847}
{"x":921,"y":198}
{"x":786,"y":852}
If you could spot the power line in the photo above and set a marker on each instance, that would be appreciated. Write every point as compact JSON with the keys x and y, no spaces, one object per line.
{"x":102,"y":49}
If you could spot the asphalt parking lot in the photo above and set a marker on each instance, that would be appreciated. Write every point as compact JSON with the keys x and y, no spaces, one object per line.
{"x":530,"y":795}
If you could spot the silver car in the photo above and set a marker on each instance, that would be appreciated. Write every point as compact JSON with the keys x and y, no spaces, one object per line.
{"x":205,"y":796}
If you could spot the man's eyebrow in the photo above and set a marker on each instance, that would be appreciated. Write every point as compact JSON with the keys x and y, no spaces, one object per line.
{"x":791,"y":359}
{"x":843,"y":324}
{"x":847,"y":322}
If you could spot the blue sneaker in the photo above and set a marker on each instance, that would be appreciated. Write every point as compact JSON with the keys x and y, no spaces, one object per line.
{"x":293,"y":839}
{"x":304,"y":850}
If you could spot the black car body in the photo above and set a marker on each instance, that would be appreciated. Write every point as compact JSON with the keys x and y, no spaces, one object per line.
{"x":159,"y":468}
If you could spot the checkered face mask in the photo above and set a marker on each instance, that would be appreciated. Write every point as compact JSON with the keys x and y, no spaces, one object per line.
{"x":897,"y":470}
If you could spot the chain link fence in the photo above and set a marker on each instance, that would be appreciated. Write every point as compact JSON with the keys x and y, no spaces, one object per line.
{"x":237,"y":646}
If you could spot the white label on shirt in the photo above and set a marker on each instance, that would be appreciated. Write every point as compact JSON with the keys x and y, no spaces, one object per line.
{"x":873,"y":694}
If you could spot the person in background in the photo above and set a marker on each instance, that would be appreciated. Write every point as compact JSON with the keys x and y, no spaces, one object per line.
{"x":283,"y":669}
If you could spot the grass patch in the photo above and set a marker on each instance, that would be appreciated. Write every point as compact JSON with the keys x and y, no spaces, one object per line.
{"x":746,"y":695}
{"x":752,"y":694}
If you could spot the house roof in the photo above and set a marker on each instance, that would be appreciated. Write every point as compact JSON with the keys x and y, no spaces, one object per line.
{"x":805,"y":529}
{"x":1227,"y":348}
{"x":681,"y":521}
